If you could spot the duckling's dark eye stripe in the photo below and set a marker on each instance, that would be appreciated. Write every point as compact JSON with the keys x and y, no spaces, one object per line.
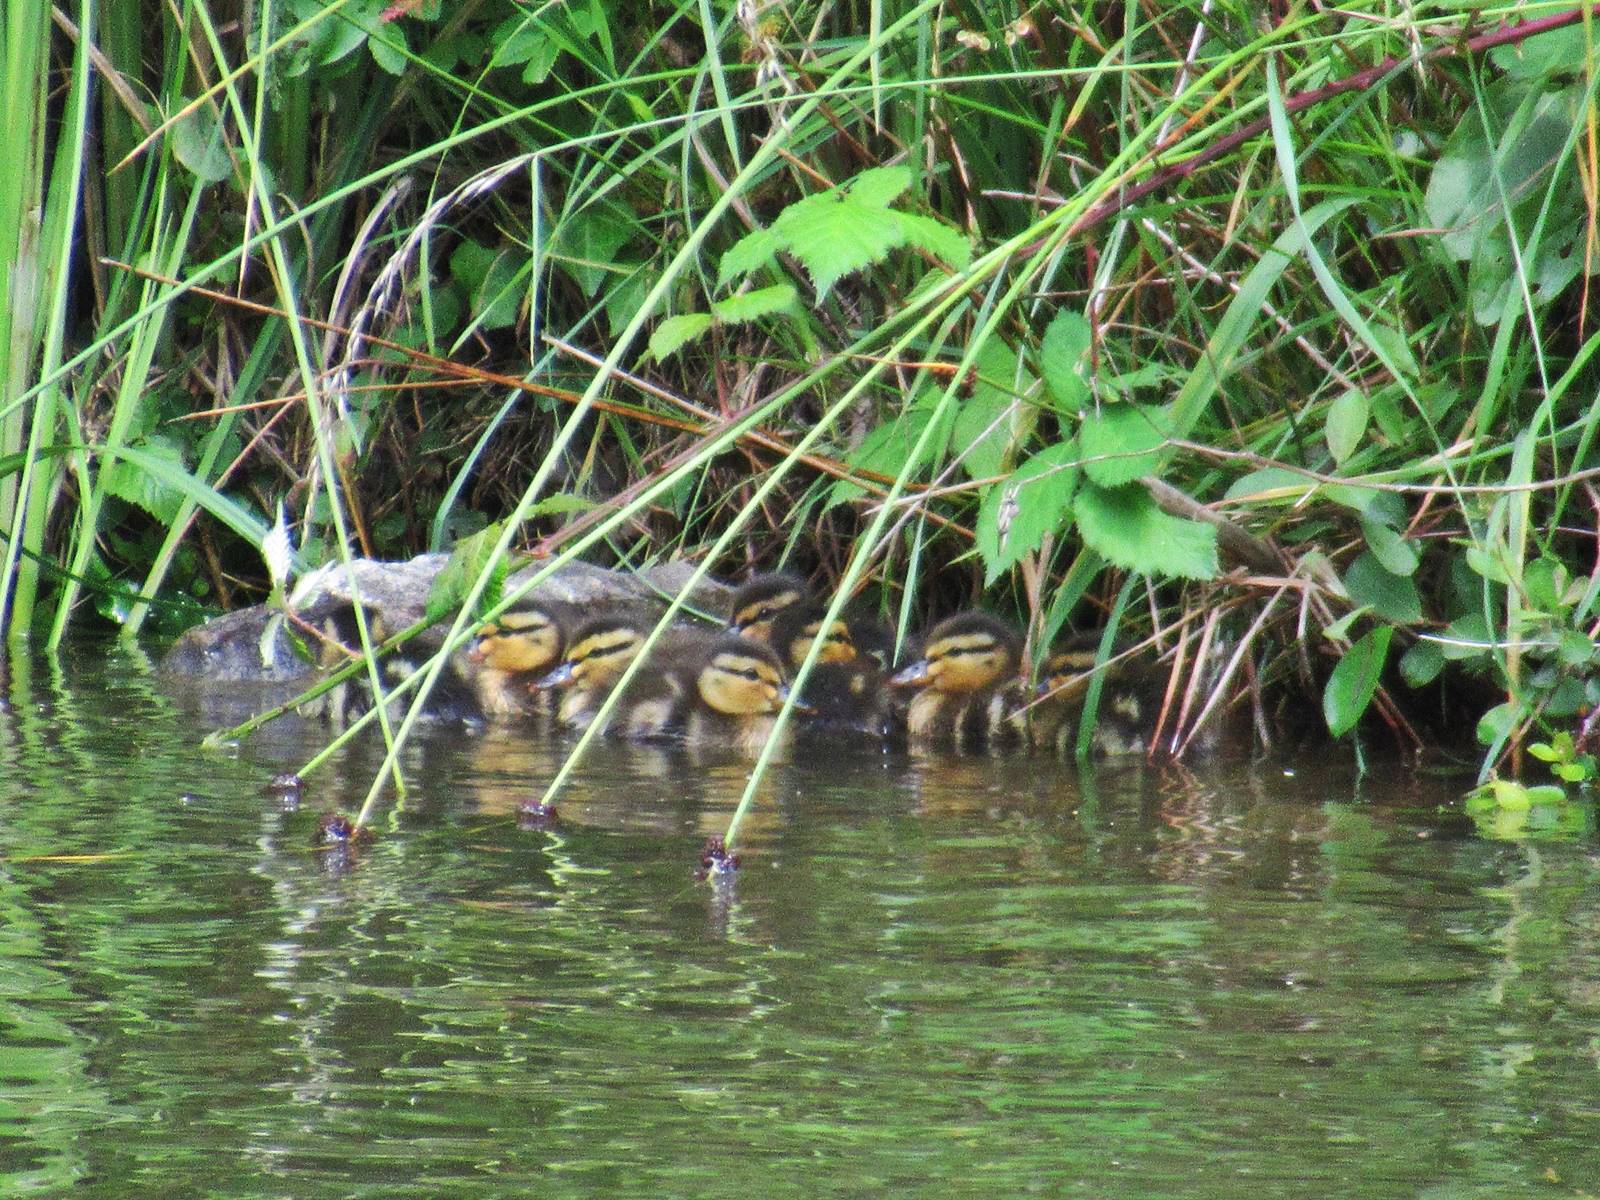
{"x":960,"y":651}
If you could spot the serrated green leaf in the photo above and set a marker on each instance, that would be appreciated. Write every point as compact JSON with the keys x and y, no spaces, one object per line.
{"x":470,"y":557}
{"x":675,"y":331}
{"x":750,"y":306}
{"x":389,"y":48}
{"x":151,"y":482}
{"x":1122,"y":442}
{"x":1124,"y":525}
{"x":843,"y":230}
{"x":1346,"y":424}
{"x":1015,"y":516}
{"x":877,"y":187}
{"x":753,"y":250}
{"x":833,"y":238}
{"x":945,"y":242}
{"x":1063,"y":353}
{"x":1354,"y":680}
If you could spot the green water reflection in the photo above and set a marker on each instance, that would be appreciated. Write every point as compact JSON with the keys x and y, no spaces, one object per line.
{"x":931,"y":978}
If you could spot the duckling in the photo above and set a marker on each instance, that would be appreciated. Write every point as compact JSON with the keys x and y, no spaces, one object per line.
{"x":968,"y":693}
{"x":597,"y":656}
{"x":844,"y":689}
{"x":722,"y":691}
{"x":517,"y":646}
{"x":738,"y":688}
{"x":762,"y":598}
{"x":1064,"y":680}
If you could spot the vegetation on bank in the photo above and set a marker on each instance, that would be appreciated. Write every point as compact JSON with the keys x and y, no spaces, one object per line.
{"x":1259,"y":334}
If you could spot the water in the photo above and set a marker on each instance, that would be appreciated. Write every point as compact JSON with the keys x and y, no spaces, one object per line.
{"x":932,"y":977}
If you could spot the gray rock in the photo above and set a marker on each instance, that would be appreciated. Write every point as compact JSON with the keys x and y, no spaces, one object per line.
{"x":251,"y":644}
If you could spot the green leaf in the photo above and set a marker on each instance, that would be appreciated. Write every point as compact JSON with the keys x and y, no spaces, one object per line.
{"x":1420,"y":665}
{"x":197,"y":144}
{"x":1063,"y":357}
{"x":675,"y":331}
{"x":1545,"y":581}
{"x":755,"y":249}
{"x":1496,"y":724}
{"x":840,"y":231}
{"x":1389,"y":547}
{"x":149,"y":483}
{"x":1016,"y":515}
{"x":588,"y":245}
{"x":991,"y":422}
{"x":1390,"y":595}
{"x":1124,"y":526}
{"x":1122,"y":442}
{"x":878,"y":187}
{"x":490,"y":277}
{"x":751,"y":306}
{"x":1270,"y":485}
{"x":470,"y":557}
{"x":1345,"y":425}
{"x":1575,"y":648}
{"x":1487,"y":563}
{"x":389,"y":48}
{"x":1354,"y":680}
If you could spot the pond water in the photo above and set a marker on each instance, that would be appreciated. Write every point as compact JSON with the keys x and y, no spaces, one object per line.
{"x":931,"y":976}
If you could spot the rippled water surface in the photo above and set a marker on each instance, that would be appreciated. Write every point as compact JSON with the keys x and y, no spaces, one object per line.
{"x":932,"y":977}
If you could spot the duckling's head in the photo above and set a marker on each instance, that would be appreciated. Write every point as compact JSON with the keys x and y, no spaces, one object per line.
{"x":761,"y":600}
{"x":741,"y":679}
{"x":598,"y":654}
{"x":966,"y":653}
{"x":518,"y":640}
{"x":795,"y":630}
{"x":1066,"y":673}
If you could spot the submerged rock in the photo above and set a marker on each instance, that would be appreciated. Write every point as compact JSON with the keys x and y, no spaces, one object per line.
{"x":252,"y":644}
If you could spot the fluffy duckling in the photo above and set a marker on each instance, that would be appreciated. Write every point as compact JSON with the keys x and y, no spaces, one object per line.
{"x":737,"y":690}
{"x":844,"y":689}
{"x":1064,"y":680}
{"x":721,"y":691}
{"x":598,"y":654}
{"x":968,"y":694}
{"x":516,"y":647}
{"x":761,"y":600}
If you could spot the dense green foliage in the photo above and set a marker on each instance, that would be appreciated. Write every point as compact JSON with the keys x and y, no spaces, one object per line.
{"x":878,"y":288}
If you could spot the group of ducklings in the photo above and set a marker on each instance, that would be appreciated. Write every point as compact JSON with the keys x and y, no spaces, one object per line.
{"x":963,"y":691}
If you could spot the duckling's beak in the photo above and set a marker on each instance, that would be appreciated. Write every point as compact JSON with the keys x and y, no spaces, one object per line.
{"x":798,"y":705}
{"x":560,"y":677}
{"x":1042,"y":689}
{"x":913,"y":676}
{"x":476,"y":653}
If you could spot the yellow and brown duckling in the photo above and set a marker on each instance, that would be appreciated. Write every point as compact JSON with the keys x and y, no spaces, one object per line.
{"x":736,"y":690}
{"x":761,"y":600}
{"x":600,"y":652}
{"x":844,"y":690}
{"x":1064,"y":679}
{"x":506,"y":654}
{"x":717,"y":691}
{"x":968,"y":694}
